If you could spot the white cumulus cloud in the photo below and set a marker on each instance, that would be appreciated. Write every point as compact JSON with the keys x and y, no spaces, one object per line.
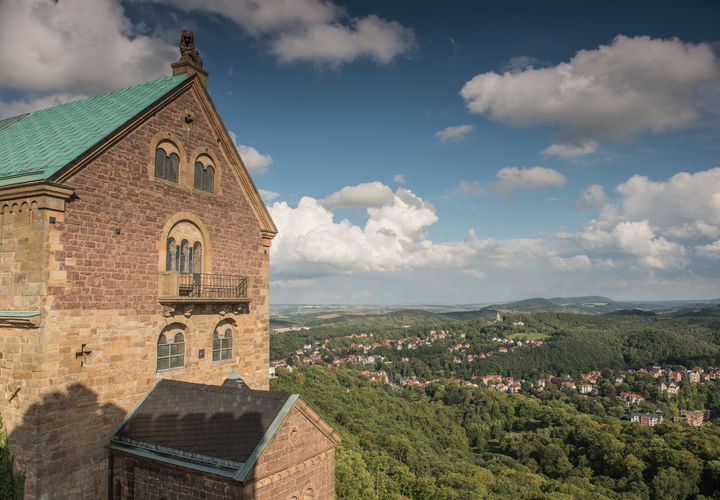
{"x":311,"y":242}
{"x":454,"y":134}
{"x":638,"y":238}
{"x":469,"y":187}
{"x":658,"y":225}
{"x":571,"y":150}
{"x":255,"y":161}
{"x":683,"y":198}
{"x":370,"y":194}
{"x":76,"y":46}
{"x":268,"y":195}
{"x":591,"y":198}
{"x":30,"y":104}
{"x":711,"y":250}
{"x":631,"y":85}
{"x":574,"y":263}
{"x":510,"y":179}
{"x":318,"y":31}
{"x":300,"y":283}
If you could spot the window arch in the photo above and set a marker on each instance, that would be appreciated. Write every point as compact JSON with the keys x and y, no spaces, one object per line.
{"x":308,"y":494}
{"x":167,"y":161}
{"x":222,"y":342}
{"x":204,"y":174}
{"x":171,"y":350}
{"x":171,"y":255}
{"x":184,"y":249}
{"x":196,"y":266}
{"x":185,"y":256}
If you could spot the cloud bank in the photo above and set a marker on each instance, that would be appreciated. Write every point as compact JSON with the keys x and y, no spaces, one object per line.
{"x":633,"y":84}
{"x":317,"y":31}
{"x":648,"y":236}
{"x":81,"y":46}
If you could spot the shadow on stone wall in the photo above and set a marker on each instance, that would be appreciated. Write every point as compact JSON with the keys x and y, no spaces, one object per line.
{"x":60,"y":446}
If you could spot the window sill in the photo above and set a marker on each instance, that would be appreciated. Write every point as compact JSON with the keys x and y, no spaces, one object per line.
{"x":169,"y":369}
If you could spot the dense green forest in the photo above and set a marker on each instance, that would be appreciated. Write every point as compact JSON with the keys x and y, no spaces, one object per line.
{"x":452,"y":442}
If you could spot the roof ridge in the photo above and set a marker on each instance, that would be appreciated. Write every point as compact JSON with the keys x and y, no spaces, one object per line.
{"x":32,"y":149}
{"x":227,"y":389}
{"x":91,"y":97}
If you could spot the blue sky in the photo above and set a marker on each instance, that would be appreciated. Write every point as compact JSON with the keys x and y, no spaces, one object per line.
{"x":435,"y":153}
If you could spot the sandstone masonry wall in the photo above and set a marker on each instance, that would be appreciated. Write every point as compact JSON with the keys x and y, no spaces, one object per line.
{"x":144,"y":480}
{"x":103,"y":260}
{"x":299,"y":457}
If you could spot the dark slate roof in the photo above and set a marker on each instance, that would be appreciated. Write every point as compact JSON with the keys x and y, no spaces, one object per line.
{"x":216,"y":421}
{"x":38,"y":144}
{"x":224,"y":426}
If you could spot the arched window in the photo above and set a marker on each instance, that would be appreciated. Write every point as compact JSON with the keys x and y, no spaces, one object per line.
{"x":167,"y":162}
{"x":199,"y":174}
{"x":308,"y":494}
{"x":197,"y":258}
{"x":209,"y":179}
{"x":204,"y":174}
{"x":184,"y":257}
{"x":222,"y":343}
{"x":184,"y":253}
{"x":171,"y":353}
{"x":171,"y":255}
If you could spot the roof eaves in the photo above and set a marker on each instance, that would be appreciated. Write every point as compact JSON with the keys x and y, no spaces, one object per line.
{"x":21,"y":178}
{"x":249,"y":464}
{"x":176,"y":457}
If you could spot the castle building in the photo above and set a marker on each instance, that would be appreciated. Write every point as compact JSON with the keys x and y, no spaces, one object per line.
{"x":134,"y":306}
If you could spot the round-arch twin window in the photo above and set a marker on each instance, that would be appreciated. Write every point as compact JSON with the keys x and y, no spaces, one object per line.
{"x":183,"y":256}
{"x":171,"y":351}
{"x":204,"y":176}
{"x":167,"y":162}
{"x":222,"y":343}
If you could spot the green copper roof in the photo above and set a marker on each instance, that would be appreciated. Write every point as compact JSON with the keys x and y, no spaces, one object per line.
{"x":36,"y":145}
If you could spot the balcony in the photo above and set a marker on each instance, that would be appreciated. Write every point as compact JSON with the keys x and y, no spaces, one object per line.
{"x":178,"y":289}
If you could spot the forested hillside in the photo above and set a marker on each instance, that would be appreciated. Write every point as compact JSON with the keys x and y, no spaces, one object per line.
{"x":453,"y":442}
{"x":428,"y":428}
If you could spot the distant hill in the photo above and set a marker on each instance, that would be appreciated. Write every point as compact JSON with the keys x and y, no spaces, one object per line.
{"x":592,"y":304}
{"x":369,"y":316}
{"x":530,"y":305}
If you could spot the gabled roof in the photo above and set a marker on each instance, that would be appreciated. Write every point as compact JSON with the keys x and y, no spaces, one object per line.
{"x":220,"y":429}
{"x":37,"y":145}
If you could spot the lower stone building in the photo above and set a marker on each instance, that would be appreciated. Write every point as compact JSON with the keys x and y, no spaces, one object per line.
{"x":198,"y":441}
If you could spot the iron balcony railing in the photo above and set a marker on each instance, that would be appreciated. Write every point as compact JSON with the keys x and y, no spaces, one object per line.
{"x":212,"y":286}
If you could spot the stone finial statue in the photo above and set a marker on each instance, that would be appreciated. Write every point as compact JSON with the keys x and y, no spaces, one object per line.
{"x":188,"y":52}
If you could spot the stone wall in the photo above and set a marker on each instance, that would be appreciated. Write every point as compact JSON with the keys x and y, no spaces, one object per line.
{"x":134,"y":479}
{"x":105,"y":253}
{"x":300,"y":457}
{"x":22,"y":255}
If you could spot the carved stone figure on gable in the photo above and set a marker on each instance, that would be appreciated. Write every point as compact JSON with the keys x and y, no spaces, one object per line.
{"x":188,"y":52}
